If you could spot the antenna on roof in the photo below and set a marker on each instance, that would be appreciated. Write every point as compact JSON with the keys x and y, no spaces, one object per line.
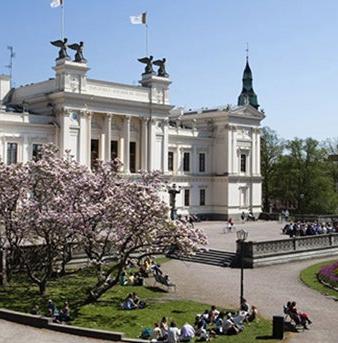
{"x":10,"y":65}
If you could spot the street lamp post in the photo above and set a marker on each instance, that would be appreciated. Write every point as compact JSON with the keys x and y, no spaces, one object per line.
{"x":3,"y":271}
{"x":173,"y":191}
{"x":242,"y":235}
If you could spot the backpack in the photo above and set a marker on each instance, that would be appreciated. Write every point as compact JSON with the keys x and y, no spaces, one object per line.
{"x":146,"y":333}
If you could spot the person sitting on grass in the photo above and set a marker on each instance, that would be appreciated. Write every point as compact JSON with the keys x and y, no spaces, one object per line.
{"x":219,"y":323}
{"x":229,"y":327}
{"x":128,"y":303}
{"x":213,"y":314}
{"x":123,"y":279}
{"x":187,"y":333}
{"x":50,"y":308}
{"x":252,"y":315}
{"x":131,"y":279}
{"x":65,"y":313}
{"x":164,"y":328}
{"x":156,"y":333}
{"x":173,"y":333}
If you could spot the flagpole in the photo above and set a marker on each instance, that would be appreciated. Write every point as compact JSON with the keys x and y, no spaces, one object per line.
{"x":62,"y":20}
{"x":147,"y":47}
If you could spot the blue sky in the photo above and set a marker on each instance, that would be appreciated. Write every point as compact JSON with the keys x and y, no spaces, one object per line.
{"x":293,"y":51}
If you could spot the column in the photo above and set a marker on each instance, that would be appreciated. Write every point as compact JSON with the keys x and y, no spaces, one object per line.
{"x":107,"y":123}
{"x":230,"y":150}
{"x":89,"y":137}
{"x":178,"y":161}
{"x":64,"y":132}
{"x":194,"y":160}
{"x":165,"y":147}
{"x":258,"y":152}
{"x":126,"y":138}
{"x":253,"y":163}
{"x":83,"y":148}
{"x":151,"y":143}
{"x":144,"y":144}
{"x":25,"y":149}
{"x":235,"y":160}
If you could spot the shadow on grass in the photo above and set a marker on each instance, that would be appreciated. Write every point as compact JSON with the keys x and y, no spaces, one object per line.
{"x":265,"y":337}
{"x":156,"y":289}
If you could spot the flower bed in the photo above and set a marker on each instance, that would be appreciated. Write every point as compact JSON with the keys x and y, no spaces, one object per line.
{"x":329,"y":275}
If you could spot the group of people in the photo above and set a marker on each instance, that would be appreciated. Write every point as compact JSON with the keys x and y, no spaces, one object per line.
{"x":296,"y":229}
{"x":248,"y":216}
{"x":210,"y":323}
{"x":299,"y":317}
{"x":59,"y":316}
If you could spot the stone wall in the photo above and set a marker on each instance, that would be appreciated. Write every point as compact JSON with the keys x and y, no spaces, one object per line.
{"x":257,"y":254}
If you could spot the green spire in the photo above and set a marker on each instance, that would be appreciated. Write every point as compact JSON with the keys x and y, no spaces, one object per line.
{"x":248,"y":95}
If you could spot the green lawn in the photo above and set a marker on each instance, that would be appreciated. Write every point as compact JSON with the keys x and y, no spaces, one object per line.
{"x":309,"y":277}
{"x":106,"y":313}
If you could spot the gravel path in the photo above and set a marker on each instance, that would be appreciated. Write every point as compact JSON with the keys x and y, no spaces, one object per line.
{"x":269,"y":288}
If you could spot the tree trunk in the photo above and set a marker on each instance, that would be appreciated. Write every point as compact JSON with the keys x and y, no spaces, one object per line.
{"x":3,"y":268}
{"x":42,"y":288}
{"x":100,"y":289}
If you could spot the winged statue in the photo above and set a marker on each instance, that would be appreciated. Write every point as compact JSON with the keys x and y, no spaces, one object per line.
{"x":161,"y":70}
{"x":79,"y":52}
{"x":148,"y":61}
{"x":62,"y":44}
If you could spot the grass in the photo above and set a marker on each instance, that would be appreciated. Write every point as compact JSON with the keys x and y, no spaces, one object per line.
{"x":106,"y":314}
{"x":309,"y":277}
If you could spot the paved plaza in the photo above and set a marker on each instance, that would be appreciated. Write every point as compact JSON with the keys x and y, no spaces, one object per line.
{"x":267,"y":287}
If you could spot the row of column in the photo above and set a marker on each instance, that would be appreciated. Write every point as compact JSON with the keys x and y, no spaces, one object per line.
{"x":145,"y":146}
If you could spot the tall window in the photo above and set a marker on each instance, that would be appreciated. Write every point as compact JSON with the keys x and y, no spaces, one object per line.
{"x":114,"y":150}
{"x":187,"y":197}
{"x":243,"y":163}
{"x":12,"y":153}
{"x":94,"y":152}
{"x":36,"y":152}
{"x":202,"y":162}
{"x":186,"y":161}
{"x":202,"y":197}
{"x":132,"y":157}
{"x":170,"y":161}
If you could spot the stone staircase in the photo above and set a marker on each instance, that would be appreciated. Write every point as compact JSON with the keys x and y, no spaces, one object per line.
{"x":212,"y":257}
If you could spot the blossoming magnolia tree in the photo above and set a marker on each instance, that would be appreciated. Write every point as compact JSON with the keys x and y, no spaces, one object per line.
{"x":134,"y":223}
{"x":61,"y":202}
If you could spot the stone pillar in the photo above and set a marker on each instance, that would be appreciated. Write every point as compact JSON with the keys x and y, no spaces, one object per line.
{"x":89,"y":137}
{"x":178,"y":161}
{"x":126,"y":148}
{"x":25,"y":149}
{"x":64,"y":132}
{"x":83,"y":148}
{"x":108,"y":119}
{"x":151,"y":143}
{"x":165,"y":147}
{"x":235,"y":158}
{"x":144,"y":144}
{"x":258,"y":152}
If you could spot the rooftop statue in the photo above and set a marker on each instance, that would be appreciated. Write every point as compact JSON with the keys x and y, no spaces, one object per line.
{"x":161,"y":70}
{"x":62,"y":44}
{"x":79,"y":52}
{"x":149,"y":64}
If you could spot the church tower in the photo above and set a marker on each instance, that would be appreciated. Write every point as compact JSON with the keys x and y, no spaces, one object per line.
{"x":248,"y":95}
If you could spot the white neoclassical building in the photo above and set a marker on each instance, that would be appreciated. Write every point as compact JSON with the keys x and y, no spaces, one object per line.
{"x":212,"y":154}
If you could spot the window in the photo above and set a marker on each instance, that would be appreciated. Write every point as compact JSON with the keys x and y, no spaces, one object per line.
{"x":202,"y":197}
{"x":187,"y":197}
{"x":243,"y":163}
{"x":170,"y":161}
{"x":186,"y":161}
{"x":94,"y":152}
{"x":113,"y":150}
{"x":12,"y":153}
{"x":202,"y":162}
{"x":132,"y":157}
{"x":36,"y":152}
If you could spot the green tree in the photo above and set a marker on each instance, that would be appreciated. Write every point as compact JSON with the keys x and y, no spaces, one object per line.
{"x":271,"y":151}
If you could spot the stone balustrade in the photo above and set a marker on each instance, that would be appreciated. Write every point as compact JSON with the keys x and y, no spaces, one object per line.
{"x":286,"y":250}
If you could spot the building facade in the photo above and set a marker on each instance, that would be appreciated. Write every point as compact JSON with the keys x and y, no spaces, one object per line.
{"x":212,"y":155}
